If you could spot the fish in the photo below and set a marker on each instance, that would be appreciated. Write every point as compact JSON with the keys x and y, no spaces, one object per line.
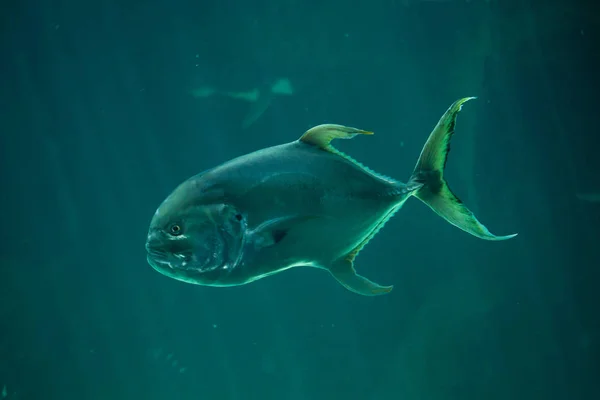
{"x":302,"y":203}
{"x":260,"y":98}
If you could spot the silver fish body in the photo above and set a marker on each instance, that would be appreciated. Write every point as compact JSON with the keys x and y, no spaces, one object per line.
{"x":302,"y":203}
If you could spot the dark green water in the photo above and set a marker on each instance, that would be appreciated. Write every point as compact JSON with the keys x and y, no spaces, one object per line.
{"x":98,"y":125}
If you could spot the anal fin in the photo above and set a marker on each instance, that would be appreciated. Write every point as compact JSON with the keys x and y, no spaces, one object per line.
{"x":343,"y":271}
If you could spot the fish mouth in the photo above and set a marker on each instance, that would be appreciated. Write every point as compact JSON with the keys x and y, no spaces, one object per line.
{"x":172,"y":263}
{"x":176,"y":269}
{"x":158,"y":261}
{"x":156,"y":254}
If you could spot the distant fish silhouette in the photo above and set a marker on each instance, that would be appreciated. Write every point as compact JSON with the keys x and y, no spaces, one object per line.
{"x":159,"y":355}
{"x":260,"y":97}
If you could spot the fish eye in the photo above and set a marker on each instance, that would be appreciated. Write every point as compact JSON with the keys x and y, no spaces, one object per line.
{"x":239,"y":217}
{"x":175,"y":229}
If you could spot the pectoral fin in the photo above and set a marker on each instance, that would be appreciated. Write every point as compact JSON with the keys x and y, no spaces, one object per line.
{"x":343,"y":270}
{"x":274,"y":230}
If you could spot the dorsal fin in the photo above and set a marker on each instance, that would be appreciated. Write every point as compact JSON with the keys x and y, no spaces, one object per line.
{"x":322,"y":135}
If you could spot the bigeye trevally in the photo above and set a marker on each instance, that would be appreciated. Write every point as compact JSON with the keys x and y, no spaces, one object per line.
{"x":302,"y":203}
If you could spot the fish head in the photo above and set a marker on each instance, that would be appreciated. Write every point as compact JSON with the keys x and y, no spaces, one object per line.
{"x":195,"y":242}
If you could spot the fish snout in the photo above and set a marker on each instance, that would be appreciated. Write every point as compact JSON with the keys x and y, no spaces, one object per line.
{"x":154,"y":245}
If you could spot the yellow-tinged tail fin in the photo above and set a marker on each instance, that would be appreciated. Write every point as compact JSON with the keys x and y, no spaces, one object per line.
{"x":435,"y":191}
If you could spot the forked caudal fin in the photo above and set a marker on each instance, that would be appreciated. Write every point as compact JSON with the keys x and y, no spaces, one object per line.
{"x":435,"y":191}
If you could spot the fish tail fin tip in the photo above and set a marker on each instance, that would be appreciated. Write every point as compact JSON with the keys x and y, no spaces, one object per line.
{"x":434,"y":190}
